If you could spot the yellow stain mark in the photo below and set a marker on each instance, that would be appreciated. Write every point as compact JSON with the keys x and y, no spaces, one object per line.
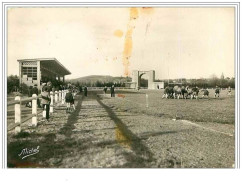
{"x":128,"y":44}
{"x":122,"y":139}
{"x":118,"y":33}
{"x":147,"y":10}
{"x":134,"y":13}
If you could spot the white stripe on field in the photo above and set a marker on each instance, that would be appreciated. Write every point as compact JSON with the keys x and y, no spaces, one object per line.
{"x":209,"y":129}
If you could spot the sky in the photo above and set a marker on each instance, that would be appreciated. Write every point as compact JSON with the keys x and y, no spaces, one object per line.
{"x":175,"y":42}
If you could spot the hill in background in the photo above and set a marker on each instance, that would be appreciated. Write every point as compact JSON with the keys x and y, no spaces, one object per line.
{"x":102,"y":79}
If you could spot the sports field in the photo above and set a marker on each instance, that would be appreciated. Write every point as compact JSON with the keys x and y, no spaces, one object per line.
{"x":132,"y":131}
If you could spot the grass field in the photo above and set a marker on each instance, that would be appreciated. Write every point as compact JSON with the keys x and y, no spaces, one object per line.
{"x":219,"y":110}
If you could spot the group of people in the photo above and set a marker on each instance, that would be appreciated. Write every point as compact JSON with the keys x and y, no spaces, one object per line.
{"x":46,"y":88}
{"x":69,"y":96}
{"x":180,"y":92}
{"x":85,"y":90}
{"x":105,"y":89}
{"x":112,"y":90}
{"x":185,"y":92}
{"x":33,"y":90}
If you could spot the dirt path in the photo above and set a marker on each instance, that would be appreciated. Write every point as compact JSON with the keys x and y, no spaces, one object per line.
{"x":107,"y":141}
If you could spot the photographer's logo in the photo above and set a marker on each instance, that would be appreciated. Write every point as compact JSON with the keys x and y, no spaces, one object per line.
{"x":29,"y":152}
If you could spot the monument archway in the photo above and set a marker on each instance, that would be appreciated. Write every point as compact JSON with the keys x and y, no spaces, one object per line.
{"x":136,"y":78}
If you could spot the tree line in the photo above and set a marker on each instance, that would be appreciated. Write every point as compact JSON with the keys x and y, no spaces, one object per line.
{"x":98,"y":84}
{"x":14,"y":86}
{"x":211,"y":82}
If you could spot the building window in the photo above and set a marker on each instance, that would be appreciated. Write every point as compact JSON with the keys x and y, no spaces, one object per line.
{"x":29,"y":73}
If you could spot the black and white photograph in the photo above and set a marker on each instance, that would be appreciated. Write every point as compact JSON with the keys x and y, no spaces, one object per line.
{"x":120,"y":98}
{"x":121,"y":87}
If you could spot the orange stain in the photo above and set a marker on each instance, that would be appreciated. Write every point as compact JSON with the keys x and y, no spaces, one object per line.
{"x":121,"y":95}
{"x":147,"y":10}
{"x":128,"y":44}
{"x":118,"y":33}
{"x":134,"y":13}
{"x":122,"y":139}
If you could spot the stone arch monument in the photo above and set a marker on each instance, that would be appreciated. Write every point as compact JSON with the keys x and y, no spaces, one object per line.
{"x":136,"y":78}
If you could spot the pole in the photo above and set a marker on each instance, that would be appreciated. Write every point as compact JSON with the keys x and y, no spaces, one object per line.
{"x":56,"y":96}
{"x":62,"y":102}
{"x":34,"y":110}
{"x":59,"y":95}
{"x":51,"y":102}
{"x":147,"y":100}
{"x":64,"y":96}
{"x":18,"y":113}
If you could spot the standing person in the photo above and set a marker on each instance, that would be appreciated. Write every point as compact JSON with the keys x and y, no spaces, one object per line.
{"x":60,"y":87}
{"x":42,"y":87}
{"x":36,"y":91}
{"x":46,"y":102}
{"x":74,"y":91}
{"x":205,"y":92}
{"x":69,"y":99}
{"x":30,"y":93}
{"x":217,"y":90}
{"x":80,"y":89}
{"x":112,"y":91}
{"x":73,"y":100}
{"x":183,"y":92}
{"x":85,"y":91}
{"x":105,"y":89}
{"x":49,"y":86}
{"x":229,"y":90}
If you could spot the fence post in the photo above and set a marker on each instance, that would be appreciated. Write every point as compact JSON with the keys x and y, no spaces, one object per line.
{"x":56,"y":96}
{"x":147,"y":100}
{"x":34,"y":110}
{"x":62,"y":95}
{"x":44,"y":111}
{"x":59,"y":95}
{"x":17,"y":111}
{"x":51,"y":102}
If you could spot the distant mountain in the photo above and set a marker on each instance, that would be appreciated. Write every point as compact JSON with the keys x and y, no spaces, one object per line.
{"x":101,"y":78}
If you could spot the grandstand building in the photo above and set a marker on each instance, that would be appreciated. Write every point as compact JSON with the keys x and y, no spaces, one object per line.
{"x":40,"y":70}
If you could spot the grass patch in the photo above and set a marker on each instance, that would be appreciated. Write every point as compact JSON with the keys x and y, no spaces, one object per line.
{"x":22,"y":134}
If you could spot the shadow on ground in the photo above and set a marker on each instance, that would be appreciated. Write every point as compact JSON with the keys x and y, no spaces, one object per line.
{"x":54,"y":147}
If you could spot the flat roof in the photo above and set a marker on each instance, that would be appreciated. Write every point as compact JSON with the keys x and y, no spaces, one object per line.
{"x":66,"y":71}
